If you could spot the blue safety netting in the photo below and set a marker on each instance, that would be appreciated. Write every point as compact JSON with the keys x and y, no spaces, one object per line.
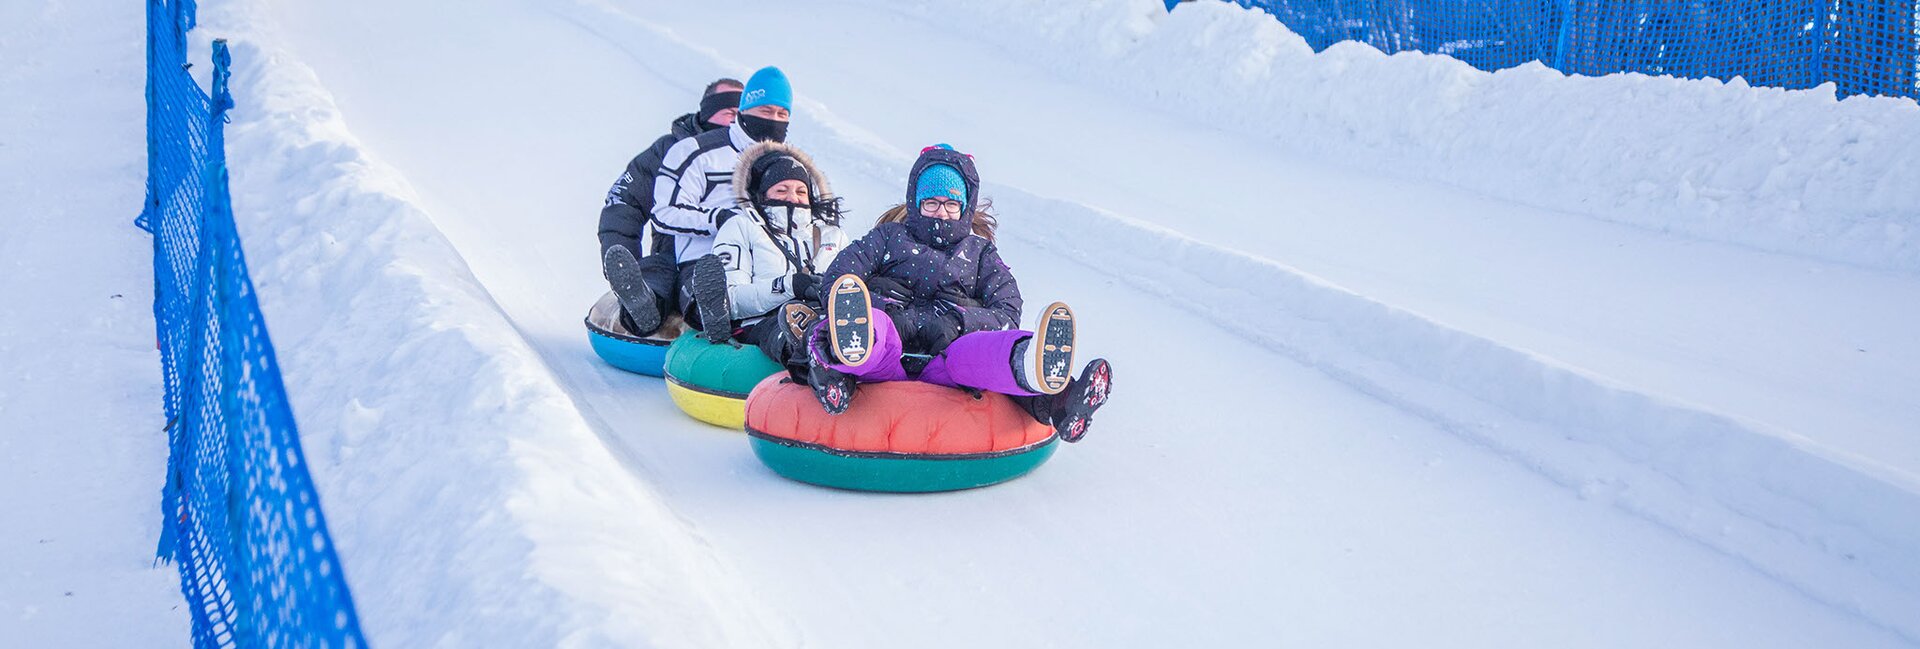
{"x":242,"y":520}
{"x":1861,"y":46}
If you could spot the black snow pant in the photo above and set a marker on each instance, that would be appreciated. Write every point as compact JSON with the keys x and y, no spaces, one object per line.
{"x":671,"y":285}
{"x":776,"y":341}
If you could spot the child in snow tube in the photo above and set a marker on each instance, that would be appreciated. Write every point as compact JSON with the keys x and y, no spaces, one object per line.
{"x":784,"y":225}
{"x":928,"y":280}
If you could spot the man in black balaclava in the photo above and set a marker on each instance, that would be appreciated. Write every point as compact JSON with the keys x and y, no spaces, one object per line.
{"x":623,"y":220}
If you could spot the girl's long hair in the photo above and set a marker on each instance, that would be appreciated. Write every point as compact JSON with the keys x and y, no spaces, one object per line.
{"x":984,"y":221}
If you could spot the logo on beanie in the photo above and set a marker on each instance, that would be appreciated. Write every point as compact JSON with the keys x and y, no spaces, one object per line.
{"x":753,"y":96}
{"x":956,"y":192}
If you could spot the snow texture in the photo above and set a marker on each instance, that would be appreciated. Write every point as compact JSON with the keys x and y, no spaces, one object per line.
{"x":489,"y":482}
{"x":82,"y":443}
{"x":475,"y":503}
{"x":1792,"y":171}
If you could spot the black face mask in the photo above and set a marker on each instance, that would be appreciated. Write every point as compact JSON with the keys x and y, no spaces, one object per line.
{"x":938,"y":232}
{"x":762,"y":129}
{"x":784,"y":216}
{"x":713,"y":104}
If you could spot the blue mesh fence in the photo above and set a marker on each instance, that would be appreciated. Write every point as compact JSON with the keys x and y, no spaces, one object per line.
{"x":242,"y":519}
{"x":1862,"y":46}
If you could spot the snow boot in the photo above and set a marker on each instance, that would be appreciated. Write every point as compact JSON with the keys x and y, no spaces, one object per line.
{"x":832,"y":387}
{"x":1044,"y":362}
{"x":850,"y":321}
{"x":1073,"y":408}
{"x":787,"y":344}
{"x":799,"y":319}
{"x":638,"y":302}
{"x":709,"y":280}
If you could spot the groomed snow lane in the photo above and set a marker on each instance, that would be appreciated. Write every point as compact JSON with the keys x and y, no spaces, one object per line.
{"x":1227,"y":496}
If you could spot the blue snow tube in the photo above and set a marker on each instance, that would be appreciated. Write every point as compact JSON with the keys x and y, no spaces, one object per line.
{"x":622,"y":348}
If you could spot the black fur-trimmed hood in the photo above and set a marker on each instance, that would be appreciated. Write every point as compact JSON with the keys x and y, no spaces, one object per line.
{"x":742,"y":170}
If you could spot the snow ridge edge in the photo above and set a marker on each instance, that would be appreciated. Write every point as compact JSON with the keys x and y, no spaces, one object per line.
{"x":1839,"y":529}
{"x":471,"y":500}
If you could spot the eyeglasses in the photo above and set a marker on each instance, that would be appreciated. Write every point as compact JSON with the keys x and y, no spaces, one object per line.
{"x":932,"y":205}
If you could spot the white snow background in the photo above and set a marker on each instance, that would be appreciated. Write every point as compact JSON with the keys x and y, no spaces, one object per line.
{"x":1407,"y":354}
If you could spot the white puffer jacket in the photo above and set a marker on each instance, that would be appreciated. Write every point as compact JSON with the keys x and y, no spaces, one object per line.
{"x":760,"y":250}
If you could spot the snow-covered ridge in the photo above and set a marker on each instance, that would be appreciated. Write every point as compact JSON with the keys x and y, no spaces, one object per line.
{"x":1787,"y":171}
{"x":483,"y":511}
{"x":1839,"y":528}
{"x":472,"y":502}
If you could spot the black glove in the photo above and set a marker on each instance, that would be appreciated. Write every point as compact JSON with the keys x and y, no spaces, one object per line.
{"x":954,"y":297}
{"x":805,"y":286}
{"x":889,"y":288}
{"x":936,"y":327}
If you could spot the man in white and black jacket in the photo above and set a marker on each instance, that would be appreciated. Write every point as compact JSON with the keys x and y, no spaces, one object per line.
{"x":692,"y":195}
{"x":630,"y":201}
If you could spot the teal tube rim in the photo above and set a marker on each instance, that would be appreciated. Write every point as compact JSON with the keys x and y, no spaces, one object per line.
{"x":889,"y":455}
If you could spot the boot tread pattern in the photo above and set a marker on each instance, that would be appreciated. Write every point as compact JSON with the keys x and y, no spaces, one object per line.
{"x":710,"y":297}
{"x":629,"y":285}
{"x":851,"y":325}
{"x":1053,"y":361}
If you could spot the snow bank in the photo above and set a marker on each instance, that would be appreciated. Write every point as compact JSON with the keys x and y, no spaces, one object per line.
{"x":1839,"y":528}
{"x":472,"y":503}
{"x":1789,"y":171}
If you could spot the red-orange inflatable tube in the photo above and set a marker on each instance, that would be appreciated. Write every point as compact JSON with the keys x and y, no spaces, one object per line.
{"x":896,"y":417}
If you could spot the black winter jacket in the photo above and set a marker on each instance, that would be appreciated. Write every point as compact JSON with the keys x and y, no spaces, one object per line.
{"x":630,"y":201}
{"x":970,"y":267}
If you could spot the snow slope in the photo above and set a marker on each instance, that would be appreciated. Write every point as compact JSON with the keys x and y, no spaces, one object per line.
{"x":1371,"y":503}
{"x":478,"y":505}
{"x":1760,"y":403}
{"x":1338,"y":188}
{"x":82,"y":447}
{"x":1788,"y":171}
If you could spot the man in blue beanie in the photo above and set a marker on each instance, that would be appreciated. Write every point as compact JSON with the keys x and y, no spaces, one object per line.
{"x":692,"y":195}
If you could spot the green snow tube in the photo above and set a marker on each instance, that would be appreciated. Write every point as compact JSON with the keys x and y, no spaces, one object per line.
{"x":710,"y":382}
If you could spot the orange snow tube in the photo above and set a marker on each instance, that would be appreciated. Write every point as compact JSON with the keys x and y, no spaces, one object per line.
{"x":900,"y":436}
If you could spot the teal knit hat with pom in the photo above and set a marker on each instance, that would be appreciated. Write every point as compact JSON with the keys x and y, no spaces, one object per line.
{"x":941,"y":181}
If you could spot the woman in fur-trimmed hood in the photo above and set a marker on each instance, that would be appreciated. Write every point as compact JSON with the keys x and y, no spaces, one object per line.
{"x":784,"y":232}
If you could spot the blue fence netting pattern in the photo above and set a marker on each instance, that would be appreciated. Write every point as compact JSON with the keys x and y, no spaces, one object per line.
{"x":242,"y":519}
{"x":1867,"y":47}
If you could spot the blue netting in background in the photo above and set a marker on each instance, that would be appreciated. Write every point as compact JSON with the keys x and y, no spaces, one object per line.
{"x":242,"y":520}
{"x":1862,"y":46}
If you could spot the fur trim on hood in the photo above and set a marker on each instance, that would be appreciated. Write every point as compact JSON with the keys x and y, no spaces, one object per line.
{"x":822,"y":191}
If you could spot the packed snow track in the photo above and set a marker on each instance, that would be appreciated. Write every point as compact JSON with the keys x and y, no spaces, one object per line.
{"x":1234,"y":493}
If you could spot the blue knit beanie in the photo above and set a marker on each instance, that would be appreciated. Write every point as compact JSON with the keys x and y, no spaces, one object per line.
{"x":767,"y":86}
{"x":941,"y":181}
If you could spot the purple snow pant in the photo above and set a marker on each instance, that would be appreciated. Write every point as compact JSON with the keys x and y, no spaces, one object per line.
{"x":982,"y":360}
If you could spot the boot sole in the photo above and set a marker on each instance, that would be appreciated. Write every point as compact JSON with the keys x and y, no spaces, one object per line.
{"x":710,"y":297}
{"x":850,"y":321}
{"x":630,"y":286}
{"x":1053,"y":360}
